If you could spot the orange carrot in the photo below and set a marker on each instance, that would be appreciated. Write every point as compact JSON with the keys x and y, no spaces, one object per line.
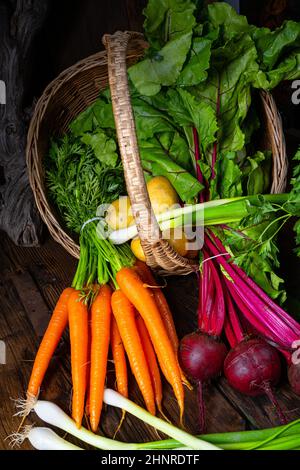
{"x":161,"y":302}
{"x":124,"y":314}
{"x":56,"y":327}
{"x":88,"y":370}
{"x":119,"y":358}
{"x":142,"y":298}
{"x":101,"y":316}
{"x":78,"y":325}
{"x":151,"y":360}
{"x":147,"y":277}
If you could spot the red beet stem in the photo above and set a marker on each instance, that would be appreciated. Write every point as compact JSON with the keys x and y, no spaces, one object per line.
{"x":218,"y":317}
{"x":270,"y":394}
{"x":262,"y":310}
{"x":201,"y":408}
{"x":271,"y":304}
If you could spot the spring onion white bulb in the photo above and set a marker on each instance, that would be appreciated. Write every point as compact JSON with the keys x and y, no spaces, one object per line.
{"x":52,"y":414}
{"x":46,"y":439}
{"x":113,"y":398}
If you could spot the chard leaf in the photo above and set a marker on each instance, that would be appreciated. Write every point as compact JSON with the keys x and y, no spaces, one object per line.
{"x":167,"y":20}
{"x":99,"y":114}
{"x":221,"y":14}
{"x":177,"y":148}
{"x":227,"y":89}
{"x":149,"y":75}
{"x":257,"y":172}
{"x":156,"y":162}
{"x":288,"y":69}
{"x":229,"y":176}
{"x":149,"y":120}
{"x":104,"y":148}
{"x":271,"y":45}
{"x":195,"y":71}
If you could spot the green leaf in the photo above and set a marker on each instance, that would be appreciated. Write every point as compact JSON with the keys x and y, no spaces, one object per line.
{"x":156,"y":162}
{"x":187,"y":110}
{"x":163,"y":69}
{"x":105,"y":149}
{"x":177,"y":149}
{"x":167,"y":20}
{"x":149,"y":120}
{"x":98,"y":114}
{"x":229,"y":176}
{"x":257,"y":172}
{"x":271,"y":45}
{"x":228,"y":89}
{"x":288,"y":69}
{"x":195,"y":71}
{"x":220,"y":14}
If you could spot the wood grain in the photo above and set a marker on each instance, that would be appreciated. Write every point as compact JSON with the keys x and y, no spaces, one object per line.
{"x":20,"y":21}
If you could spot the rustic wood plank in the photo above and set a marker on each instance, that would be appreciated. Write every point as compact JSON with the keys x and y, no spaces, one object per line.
{"x":35,"y":307}
{"x":258,"y":410}
{"x":20,"y":20}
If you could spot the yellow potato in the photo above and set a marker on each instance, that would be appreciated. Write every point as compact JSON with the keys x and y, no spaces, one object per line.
{"x":119,"y":214}
{"x":177,"y":239}
{"x":137,"y":249}
{"x":162,"y":194}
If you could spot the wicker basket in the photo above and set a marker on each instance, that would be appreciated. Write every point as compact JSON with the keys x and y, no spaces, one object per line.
{"x":77,"y":88}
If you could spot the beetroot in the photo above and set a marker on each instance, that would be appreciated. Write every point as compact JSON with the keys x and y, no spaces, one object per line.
{"x":201,"y":357}
{"x":294,"y":377}
{"x":253,"y":367}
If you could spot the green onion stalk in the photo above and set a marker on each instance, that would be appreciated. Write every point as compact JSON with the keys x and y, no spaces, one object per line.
{"x":216,"y":212}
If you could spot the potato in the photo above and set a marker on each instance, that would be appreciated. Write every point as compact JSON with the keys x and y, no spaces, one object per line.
{"x":137,"y":249}
{"x":162,"y":194}
{"x":119,"y":214}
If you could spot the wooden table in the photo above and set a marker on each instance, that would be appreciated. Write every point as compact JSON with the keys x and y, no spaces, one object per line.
{"x":31,"y":280}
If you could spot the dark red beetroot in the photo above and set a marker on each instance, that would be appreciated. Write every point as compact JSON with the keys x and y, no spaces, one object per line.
{"x":294,"y":377}
{"x":253,"y":367}
{"x":201,"y":357}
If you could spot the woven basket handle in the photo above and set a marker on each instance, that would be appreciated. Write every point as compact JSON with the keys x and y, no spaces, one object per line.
{"x":276,"y":138}
{"x":148,"y":228}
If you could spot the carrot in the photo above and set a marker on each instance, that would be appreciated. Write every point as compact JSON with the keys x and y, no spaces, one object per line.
{"x":88,"y":370}
{"x":142,"y":298}
{"x":124,"y":314}
{"x":101,"y":316}
{"x":152,"y":362}
{"x":56,"y":327}
{"x":161,"y":302}
{"x":147,"y":277}
{"x":78,"y":325}
{"x":119,"y":358}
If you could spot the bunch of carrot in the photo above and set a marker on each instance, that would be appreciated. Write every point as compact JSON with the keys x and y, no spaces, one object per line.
{"x":135,"y":320}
